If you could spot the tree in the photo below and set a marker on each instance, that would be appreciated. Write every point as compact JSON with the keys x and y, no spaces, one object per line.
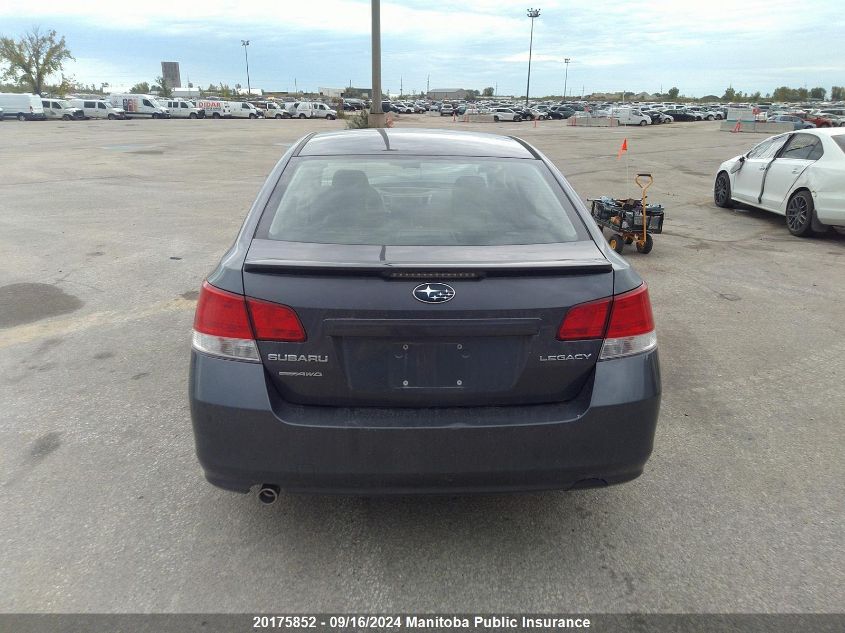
{"x":785,"y":93}
{"x":837,"y":93}
{"x":163,"y":88}
{"x":730,"y":94}
{"x":33,"y":58}
{"x":488,"y":92}
{"x":472,"y":95}
{"x":673,"y":93}
{"x":68,"y":84}
{"x":818,"y":93}
{"x":141,"y":88}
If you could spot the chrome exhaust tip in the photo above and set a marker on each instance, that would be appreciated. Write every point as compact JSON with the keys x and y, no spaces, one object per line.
{"x":268,"y":494}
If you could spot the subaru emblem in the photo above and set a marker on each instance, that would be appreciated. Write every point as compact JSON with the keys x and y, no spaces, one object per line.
{"x":434,"y":293}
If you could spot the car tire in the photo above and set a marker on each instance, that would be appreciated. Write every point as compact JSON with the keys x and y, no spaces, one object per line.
{"x":21,"y":117}
{"x":643,"y":123}
{"x":155,"y":116}
{"x":330,"y":117}
{"x":645,"y":247}
{"x":215,"y":115}
{"x":495,"y":118}
{"x":111,"y":117}
{"x":722,"y":191}
{"x":301,"y":115}
{"x":800,"y":212}
{"x":517,"y":119}
{"x":711,"y":118}
{"x":192,"y":115}
{"x":616,"y":242}
{"x":278,"y":116}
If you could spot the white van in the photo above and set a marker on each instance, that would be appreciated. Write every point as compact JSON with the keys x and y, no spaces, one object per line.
{"x":98,"y":109}
{"x":214,"y":108}
{"x":243,"y":110}
{"x":311,"y":110}
{"x":629,"y":116}
{"x":182,"y":109}
{"x":139,"y":106}
{"x":275,"y":111}
{"x":61,"y":109}
{"x":23,"y":106}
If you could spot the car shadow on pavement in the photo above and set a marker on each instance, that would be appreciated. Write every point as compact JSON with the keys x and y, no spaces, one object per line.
{"x":778,"y":224}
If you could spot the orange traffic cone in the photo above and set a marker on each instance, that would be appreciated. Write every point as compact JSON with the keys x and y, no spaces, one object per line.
{"x":737,"y":127}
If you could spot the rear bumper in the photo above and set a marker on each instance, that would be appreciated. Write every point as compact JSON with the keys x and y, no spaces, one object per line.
{"x":245,"y":436}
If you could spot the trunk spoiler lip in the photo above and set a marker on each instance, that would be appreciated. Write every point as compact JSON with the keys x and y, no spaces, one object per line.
{"x":480,"y":268}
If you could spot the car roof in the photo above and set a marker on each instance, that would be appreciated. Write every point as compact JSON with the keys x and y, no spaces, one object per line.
{"x":414,"y":142}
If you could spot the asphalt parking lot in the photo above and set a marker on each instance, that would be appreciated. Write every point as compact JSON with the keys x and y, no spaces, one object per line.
{"x":107,"y":229}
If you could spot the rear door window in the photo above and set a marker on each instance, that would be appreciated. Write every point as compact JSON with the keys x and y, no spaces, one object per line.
{"x":802,"y":146}
{"x":419,"y":201}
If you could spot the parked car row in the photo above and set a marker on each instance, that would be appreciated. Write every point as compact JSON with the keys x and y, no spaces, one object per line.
{"x":130,"y":106}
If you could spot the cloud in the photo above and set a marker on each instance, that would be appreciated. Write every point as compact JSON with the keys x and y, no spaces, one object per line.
{"x":703,"y":45}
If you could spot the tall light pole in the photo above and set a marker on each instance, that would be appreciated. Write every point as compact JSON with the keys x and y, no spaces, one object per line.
{"x":245,"y":43}
{"x":376,"y":114}
{"x":532,"y":13}
{"x":566,"y":61}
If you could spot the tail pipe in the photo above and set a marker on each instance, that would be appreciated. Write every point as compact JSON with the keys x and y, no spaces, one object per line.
{"x":268,"y":494}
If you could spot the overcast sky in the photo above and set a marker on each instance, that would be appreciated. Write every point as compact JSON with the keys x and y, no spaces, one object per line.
{"x":699,"y":46}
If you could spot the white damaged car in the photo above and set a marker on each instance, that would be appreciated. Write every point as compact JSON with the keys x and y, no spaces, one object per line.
{"x":800,"y":175}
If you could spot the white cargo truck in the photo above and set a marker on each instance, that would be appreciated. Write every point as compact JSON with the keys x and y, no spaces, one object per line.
{"x":62,"y":110}
{"x":629,"y":116}
{"x":183,"y":109}
{"x":311,"y":110}
{"x":22,"y":106}
{"x":243,"y":110}
{"x":139,"y":106}
{"x":214,"y":108}
{"x":98,"y":109}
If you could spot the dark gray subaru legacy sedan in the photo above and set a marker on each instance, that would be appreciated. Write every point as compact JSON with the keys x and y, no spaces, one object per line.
{"x":420,"y":311}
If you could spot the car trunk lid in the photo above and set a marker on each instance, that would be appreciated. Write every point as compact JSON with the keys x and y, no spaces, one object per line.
{"x":375,"y":339}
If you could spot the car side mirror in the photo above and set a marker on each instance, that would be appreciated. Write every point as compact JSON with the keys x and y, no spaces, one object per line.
{"x":738,"y":165}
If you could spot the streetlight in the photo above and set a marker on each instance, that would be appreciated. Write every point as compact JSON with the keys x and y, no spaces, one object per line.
{"x":532,"y":13}
{"x":376,"y":116}
{"x":245,"y":43}
{"x":566,"y":61}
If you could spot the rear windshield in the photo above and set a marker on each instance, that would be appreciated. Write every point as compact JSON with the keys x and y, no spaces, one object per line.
{"x":840,"y":140}
{"x":419,"y":202}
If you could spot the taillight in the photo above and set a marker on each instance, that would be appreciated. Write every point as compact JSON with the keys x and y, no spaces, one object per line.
{"x":221,"y":313}
{"x":275,"y":322}
{"x":227,"y":324}
{"x":630,"y":329}
{"x":585,"y":321}
{"x":221,"y":325}
{"x":624,"y":321}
